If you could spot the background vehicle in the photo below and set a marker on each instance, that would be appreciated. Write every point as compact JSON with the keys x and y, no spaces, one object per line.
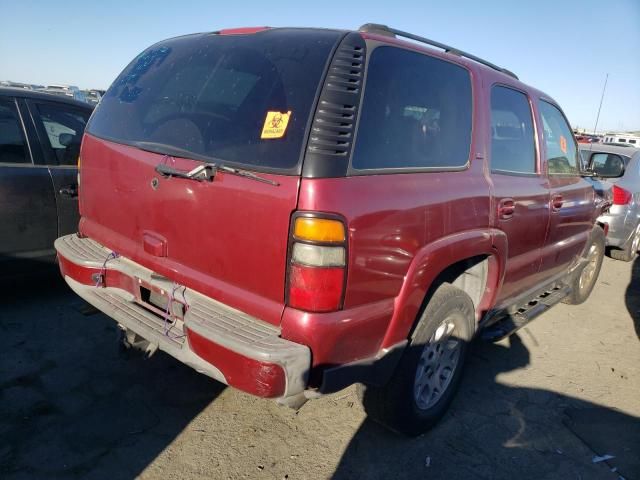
{"x":39,"y":146}
{"x":618,"y":177}
{"x":257,"y":208}
{"x":92,"y":96}
{"x":70,"y":91}
{"x":622,"y":139}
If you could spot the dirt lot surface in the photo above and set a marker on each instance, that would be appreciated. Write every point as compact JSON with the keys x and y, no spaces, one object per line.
{"x":540,"y":405}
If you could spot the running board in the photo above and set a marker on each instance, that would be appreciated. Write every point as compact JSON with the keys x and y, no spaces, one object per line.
{"x":512,"y":322}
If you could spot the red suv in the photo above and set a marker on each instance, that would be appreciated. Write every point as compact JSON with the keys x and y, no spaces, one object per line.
{"x":291,"y":211}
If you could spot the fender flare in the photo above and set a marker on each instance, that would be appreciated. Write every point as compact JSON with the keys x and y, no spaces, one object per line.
{"x":431,"y":260}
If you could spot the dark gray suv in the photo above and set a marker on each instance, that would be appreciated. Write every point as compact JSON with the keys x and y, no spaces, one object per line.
{"x":40,"y":139}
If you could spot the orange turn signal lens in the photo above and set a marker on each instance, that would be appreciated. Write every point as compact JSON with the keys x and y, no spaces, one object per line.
{"x":319,"y":229}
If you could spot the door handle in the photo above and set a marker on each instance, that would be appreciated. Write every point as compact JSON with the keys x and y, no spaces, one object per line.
{"x":556,"y":202}
{"x":506,"y":208}
{"x":69,"y":191}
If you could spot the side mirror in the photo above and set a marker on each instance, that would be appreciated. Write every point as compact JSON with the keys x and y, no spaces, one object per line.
{"x":607,"y":165}
{"x":65,"y":139}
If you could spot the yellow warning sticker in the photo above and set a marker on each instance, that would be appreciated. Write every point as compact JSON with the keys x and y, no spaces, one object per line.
{"x":275,"y":125}
{"x":563,"y":144}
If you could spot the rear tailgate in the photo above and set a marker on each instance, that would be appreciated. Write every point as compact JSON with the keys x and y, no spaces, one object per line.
{"x":226,"y":238}
{"x":244,"y":101}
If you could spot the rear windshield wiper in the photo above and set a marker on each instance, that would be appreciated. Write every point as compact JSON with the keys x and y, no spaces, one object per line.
{"x":206,"y":171}
{"x":199,"y":173}
{"x":242,"y":173}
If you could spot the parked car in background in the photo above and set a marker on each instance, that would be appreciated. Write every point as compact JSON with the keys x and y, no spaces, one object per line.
{"x":253,"y":207}
{"x":623,"y":139}
{"x":39,"y":146}
{"x":617,"y":172}
{"x":92,"y":96}
{"x":583,"y":138}
{"x":70,"y":91}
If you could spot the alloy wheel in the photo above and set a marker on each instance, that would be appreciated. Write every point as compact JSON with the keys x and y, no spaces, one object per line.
{"x":437,"y":365}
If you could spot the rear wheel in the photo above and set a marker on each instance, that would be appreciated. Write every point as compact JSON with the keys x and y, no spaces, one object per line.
{"x":584,"y":280}
{"x":630,"y":250}
{"x":429,"y":372}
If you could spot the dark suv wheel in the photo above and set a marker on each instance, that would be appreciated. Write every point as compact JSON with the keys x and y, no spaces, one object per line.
{"x":429,"y":372}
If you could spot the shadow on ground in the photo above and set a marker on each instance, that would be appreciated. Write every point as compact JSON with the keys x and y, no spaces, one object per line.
{"x":71,"y":408}
{"x":498,"y":431}
{"x":72,"y":405}
{"x":632,"y":295}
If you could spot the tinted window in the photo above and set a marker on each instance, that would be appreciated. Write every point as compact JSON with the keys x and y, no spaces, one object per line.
{"x":13,"y":147}
{"x":512,"y":137}
{"x":211,"y":95}
{"x":64,"y":127}
{"x":416,"y":112}
{"x":562,"y":153}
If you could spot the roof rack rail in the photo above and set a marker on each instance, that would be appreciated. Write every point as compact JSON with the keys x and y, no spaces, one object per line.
{"x":392,"y":32}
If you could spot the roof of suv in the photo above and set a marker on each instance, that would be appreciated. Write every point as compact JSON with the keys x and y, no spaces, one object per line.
{"x":24,"y":93}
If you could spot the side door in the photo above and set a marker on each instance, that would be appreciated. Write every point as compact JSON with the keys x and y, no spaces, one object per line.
{"x":60,"y":128}
{"x":520,"y":193}
{"x":572,"y":197}
{"x":28,"y":217}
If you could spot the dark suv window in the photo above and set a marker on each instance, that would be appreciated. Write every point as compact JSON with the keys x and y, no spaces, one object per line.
{"x":242,"y":99}
{"x":64,"y":127}
{"x":562,"y":152}
{"x":12,"y":145}
{"x":512,"y":137}
{"x":416,"y":113}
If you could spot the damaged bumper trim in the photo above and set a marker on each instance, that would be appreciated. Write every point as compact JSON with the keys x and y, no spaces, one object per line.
{"x":215,"y":339}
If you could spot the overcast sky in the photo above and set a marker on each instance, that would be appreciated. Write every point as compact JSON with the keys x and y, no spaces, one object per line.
{"x":564,"y":48}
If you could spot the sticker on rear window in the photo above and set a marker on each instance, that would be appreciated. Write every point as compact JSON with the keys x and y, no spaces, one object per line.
{"x":563,"y":144}
{"x":275,"y":125}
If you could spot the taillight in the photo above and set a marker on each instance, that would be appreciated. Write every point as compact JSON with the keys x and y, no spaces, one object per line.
{"x":78,"y":176}
{"x":621,"y":196}
{"x":317,"y":264}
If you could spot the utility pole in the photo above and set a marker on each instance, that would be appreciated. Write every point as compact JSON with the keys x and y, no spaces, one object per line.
{"x":595,"y":129}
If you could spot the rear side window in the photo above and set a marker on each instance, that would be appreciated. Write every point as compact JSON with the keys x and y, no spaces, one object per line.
{"x":64,"y":127}
{"x":416,"y":113}
{"x":243,"y":99}
{"x":12,"y":145}
{"x":562,"y":152}
{"x":512,"y":137}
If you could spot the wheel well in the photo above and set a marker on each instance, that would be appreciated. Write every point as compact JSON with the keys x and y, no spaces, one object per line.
{"x":469,"y":275}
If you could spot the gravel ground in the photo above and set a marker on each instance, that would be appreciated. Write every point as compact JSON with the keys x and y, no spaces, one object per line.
{"x":540,"y":405}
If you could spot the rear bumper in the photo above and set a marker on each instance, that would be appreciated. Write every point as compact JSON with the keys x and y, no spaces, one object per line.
{"x":214,"y":339}
{"x":621,"y":226}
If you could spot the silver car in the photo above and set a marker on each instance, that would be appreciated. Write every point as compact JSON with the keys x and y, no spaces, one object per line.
{"x":617,"y":177}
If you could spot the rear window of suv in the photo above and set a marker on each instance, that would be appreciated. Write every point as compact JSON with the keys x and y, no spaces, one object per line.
{"x":214,"y":96}
{"x":416,"y":113}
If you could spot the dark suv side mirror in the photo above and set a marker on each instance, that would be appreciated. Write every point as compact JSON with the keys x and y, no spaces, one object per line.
{"x":607,"y":165}
{"x":65,"y":139}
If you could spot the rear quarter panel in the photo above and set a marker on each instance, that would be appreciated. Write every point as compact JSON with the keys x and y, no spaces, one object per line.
{"x":404,"y":229}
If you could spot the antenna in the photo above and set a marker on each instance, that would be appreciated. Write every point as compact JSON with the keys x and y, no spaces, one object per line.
{"x":600,"y":107}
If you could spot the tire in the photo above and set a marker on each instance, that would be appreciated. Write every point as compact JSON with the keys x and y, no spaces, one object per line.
{"x":630,"y":250}
{"x":408,"y":404}
{"x":583,"y":280}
